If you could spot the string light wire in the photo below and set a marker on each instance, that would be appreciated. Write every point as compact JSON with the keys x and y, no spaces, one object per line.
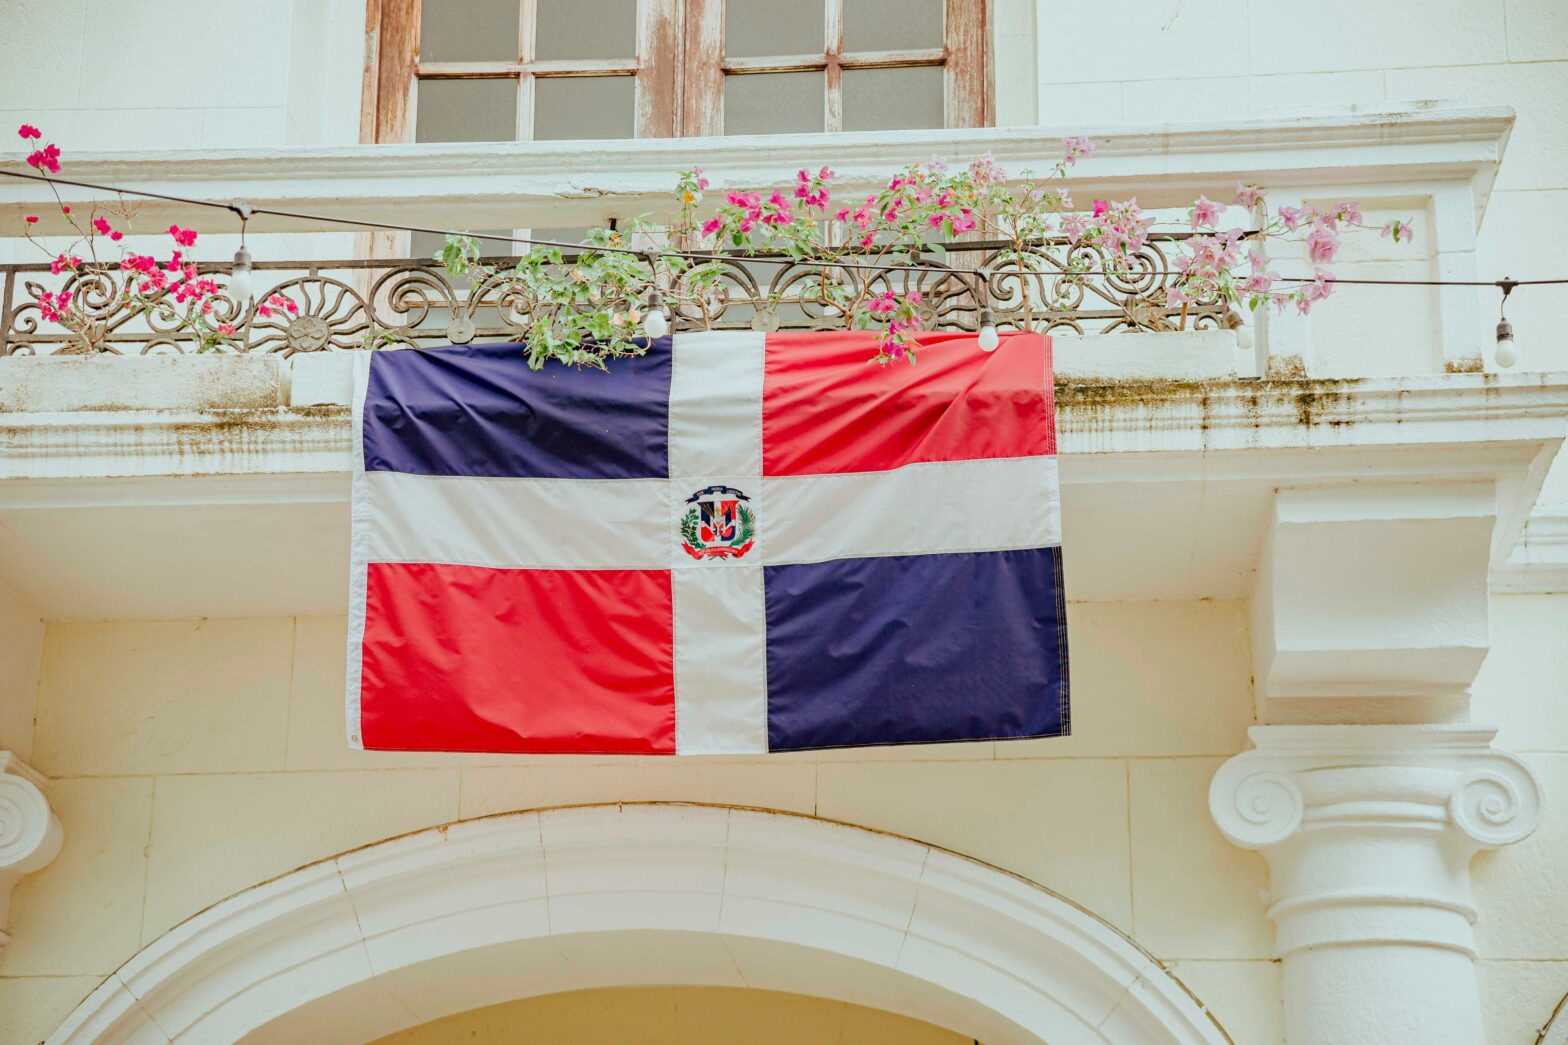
{"x":245,"y":211}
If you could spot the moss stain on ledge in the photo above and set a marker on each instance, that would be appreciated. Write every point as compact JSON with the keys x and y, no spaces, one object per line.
{"x":1313,"y":400}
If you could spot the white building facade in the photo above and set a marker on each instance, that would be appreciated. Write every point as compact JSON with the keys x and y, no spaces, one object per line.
{"x":1317,"y":566}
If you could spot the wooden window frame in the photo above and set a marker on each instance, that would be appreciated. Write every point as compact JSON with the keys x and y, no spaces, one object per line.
{"x":680,"y":67}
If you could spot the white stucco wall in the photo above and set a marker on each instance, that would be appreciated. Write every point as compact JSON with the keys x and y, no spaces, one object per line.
{"x":105,"y":75}
{"x":1186,"y":60}
{"x":192,"y":759}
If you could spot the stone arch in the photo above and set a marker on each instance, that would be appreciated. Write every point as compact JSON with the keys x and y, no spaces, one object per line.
{"x":483,"y":911}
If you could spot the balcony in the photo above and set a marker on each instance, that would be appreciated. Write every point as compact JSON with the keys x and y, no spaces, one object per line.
{"x":1437,"y":162}
{"x":142,"y":481}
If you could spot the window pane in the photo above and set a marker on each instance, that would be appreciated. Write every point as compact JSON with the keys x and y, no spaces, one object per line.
{"x":466,"y":111}
{"x":468,"y":31}
{"x":586,"y":29}
{"x":892,"y":25}
{"x":773,"y":103}
{"x":584,"y":107}
{"x":892,"y":99}
{"x":762,"y":27}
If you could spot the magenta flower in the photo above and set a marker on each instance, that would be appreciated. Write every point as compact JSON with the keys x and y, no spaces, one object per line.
{"x":1100,"y":207}
{"x":32,"y":219}
{"x":184,"y":237}
{"x":47,"y":158}
{"x":102,"y":226}
{"x":27,"y":131}
{"x":711,"y":226}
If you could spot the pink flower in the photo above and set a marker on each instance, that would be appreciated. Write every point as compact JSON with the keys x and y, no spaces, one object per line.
{"x":102,"y":226}
{"x":1291,"y":216}
{"x":1100,"y":207}
{"x":184,"y":237}
{"x":62,"y":262}
{"x":1077,"y":148}
{"x":1322,"y":244}
{"x":841,"y":215}
{"x":1321,"y":287}
{"x":27,"y":130}
{"x":1398,"y":229}
{"x":1206,"y":212}
{"x":32,"y":219}
{"x":117,"y":235}
{"x":1348,"y":212}
{"x":985,"y":171}
{"x":1074,"y":226}
{"x":1247,"y":195}
{"x":965,"y":222}
{"x":711,"y":226}
{"x":226,"y":329}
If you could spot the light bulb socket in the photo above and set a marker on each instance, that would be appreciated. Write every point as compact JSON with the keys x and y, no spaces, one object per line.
{"x":242,"y":260}
{"x":987,"y":317}
{"x":1505,"y":331}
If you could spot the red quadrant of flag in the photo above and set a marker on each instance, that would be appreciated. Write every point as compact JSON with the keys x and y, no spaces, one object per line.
{"x":463,"y":658}
{"x":826,"y":409}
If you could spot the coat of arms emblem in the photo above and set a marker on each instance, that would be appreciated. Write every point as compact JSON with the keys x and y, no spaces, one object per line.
{"x":719,"y":524}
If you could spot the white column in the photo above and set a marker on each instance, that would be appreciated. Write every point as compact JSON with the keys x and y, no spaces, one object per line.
{"x":1368,"y":832}
{"x":30,"y":833}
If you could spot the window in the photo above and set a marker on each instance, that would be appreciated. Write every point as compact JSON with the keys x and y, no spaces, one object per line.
{"x":502,"y":70}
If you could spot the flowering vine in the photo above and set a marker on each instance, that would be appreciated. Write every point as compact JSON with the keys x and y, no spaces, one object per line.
{"x":900,"y":222}
{"x":171,"y":291}
{"x":589,"y":308}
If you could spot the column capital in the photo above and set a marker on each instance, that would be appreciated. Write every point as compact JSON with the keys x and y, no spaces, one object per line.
{"x":1447,"y":779}
{"x":30,"y":833}
{"x":1368,"y":831}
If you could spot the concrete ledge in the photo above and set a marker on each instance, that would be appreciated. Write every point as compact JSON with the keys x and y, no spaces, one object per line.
{"x":32,"y":384}
{"x":64,"y":384}
{"x":1185,"y":355}
{"x":326,"y":378}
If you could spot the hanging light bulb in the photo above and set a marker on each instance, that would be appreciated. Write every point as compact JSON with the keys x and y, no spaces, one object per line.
{"x":1505,"y":354}
{"x":1235,"y":323}
{"x":240,"y":288}
{"x":990,"y":340}
{"x":656,"y":323}
{"x":240,"y":283}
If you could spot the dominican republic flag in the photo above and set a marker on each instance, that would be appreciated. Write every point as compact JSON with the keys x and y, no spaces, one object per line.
{"x":736,"y":543}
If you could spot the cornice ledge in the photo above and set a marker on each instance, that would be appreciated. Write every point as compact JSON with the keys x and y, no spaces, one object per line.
{"x":1400,"y":126}
{"x":1391,"y":776}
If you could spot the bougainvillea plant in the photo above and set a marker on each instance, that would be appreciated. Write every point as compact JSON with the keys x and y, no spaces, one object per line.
{"x":588,"y":306}
{"x":171,"y":292}
{"x":919,"y":207}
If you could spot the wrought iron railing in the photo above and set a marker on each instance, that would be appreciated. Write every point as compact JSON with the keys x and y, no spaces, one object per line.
{"x":1050,"y":286}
